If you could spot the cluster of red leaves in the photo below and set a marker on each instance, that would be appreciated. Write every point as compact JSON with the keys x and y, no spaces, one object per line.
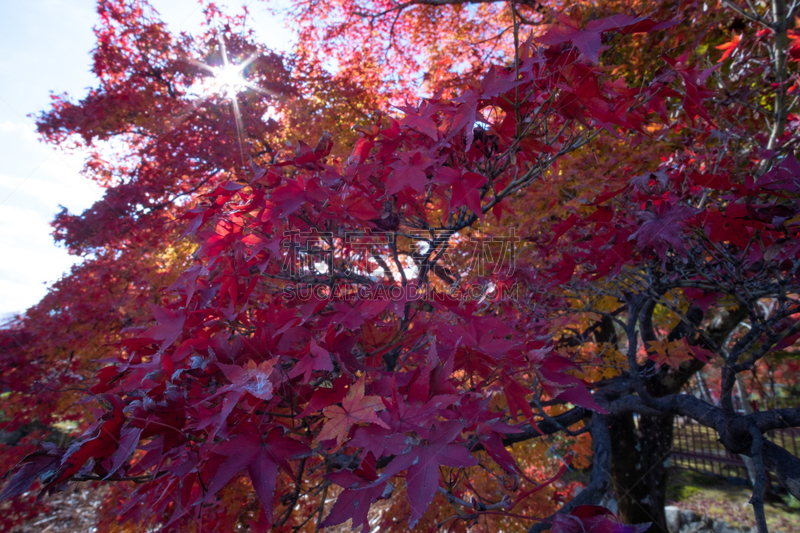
{"x":758,"y":212}
{"x":595,"y":519}
{"x":240,"y":382}
{"x":234,"y":378}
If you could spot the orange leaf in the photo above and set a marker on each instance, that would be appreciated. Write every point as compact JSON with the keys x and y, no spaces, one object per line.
{"x":729,"y":47}
{"x":355,"y":408}
{"x":671,"y":353}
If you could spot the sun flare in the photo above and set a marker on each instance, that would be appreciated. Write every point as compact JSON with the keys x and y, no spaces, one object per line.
{"x":228,"y":80}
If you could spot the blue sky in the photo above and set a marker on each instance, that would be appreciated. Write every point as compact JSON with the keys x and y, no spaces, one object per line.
{"x":45,"y":46}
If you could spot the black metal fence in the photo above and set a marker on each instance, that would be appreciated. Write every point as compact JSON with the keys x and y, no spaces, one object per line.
{"x":696,"y":447}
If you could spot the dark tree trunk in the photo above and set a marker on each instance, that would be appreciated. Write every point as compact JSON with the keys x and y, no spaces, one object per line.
{"x":655,"y":435}
{"x":639,"y":468}
{"x":641,"y":456}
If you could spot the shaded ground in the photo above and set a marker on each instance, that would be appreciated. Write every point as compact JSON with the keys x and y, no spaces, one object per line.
{"x":715,"y":498}
{"x":72,"y":511}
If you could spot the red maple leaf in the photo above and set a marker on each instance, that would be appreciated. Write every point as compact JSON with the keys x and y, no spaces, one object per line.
{"x":588,"y":40}
{"x":355,"y":503}
{"x":261,"y":456}
{"x":515,"y":397}
{"x":361,"y":491}
{"x":464,"y":118}
{"x":721,"y":228}
{"x":170,"y":325}
{"x":98,"y":443}
{"x":422,"y":121}
{"x":308,"y":158}
{"x":498,"y":81}
{"x":593,"y":518}
{"x":662,"y":228}
{"x":252,"y":378}
{"x":317,"y":359}
{"x":467,"y":191}
{"x":408,"y":172}
{"x":31,"y":467}
{"x":422,"y":477}
{"x":361,"y":208}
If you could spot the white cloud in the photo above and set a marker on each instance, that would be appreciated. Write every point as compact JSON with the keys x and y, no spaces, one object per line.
{"x":18,"y":128}
{"x":29,"y":258}
{"x":31,"y":196}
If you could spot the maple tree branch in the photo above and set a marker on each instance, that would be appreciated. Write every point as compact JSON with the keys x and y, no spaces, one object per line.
{"x":600,"y":477}
{"x":755,"y":17}
{"x":648,"y":332}
{"x":401,"y":7}
{"x":387,"y":272}
{"x":547,"y":418}
{"x":730,"y":426}
{"x":320,"y":507}
{"x":193,"y":190}
{"x":478,"y":506}
{"x":627,"y":404}
{"x":793,"y":10}
{"x":396,"y":259}
{"x":757,"y":500}
{"x":539,"y":9}
{"x":545,"y":427}
{"x":775,"y":419}
{"x":295,"y":496}
{"x":134,"y":479}
{"x":322,"y":279}
{"x":780,"y":26}
{"x":785,"y":465}
{"x":602,"y":324}
{"x":735,"y":432}
{"x":765,"y":347}
{"x":635,"y":305}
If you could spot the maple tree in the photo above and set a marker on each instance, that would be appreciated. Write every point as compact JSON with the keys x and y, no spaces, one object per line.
{"x":585,"y":212}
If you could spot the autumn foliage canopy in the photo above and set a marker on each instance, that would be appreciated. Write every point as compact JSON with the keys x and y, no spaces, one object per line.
{"x":413,"y":273}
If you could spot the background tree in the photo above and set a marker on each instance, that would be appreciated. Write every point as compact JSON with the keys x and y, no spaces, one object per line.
{"x":295,"y":356}
{"x":161,"y":131}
